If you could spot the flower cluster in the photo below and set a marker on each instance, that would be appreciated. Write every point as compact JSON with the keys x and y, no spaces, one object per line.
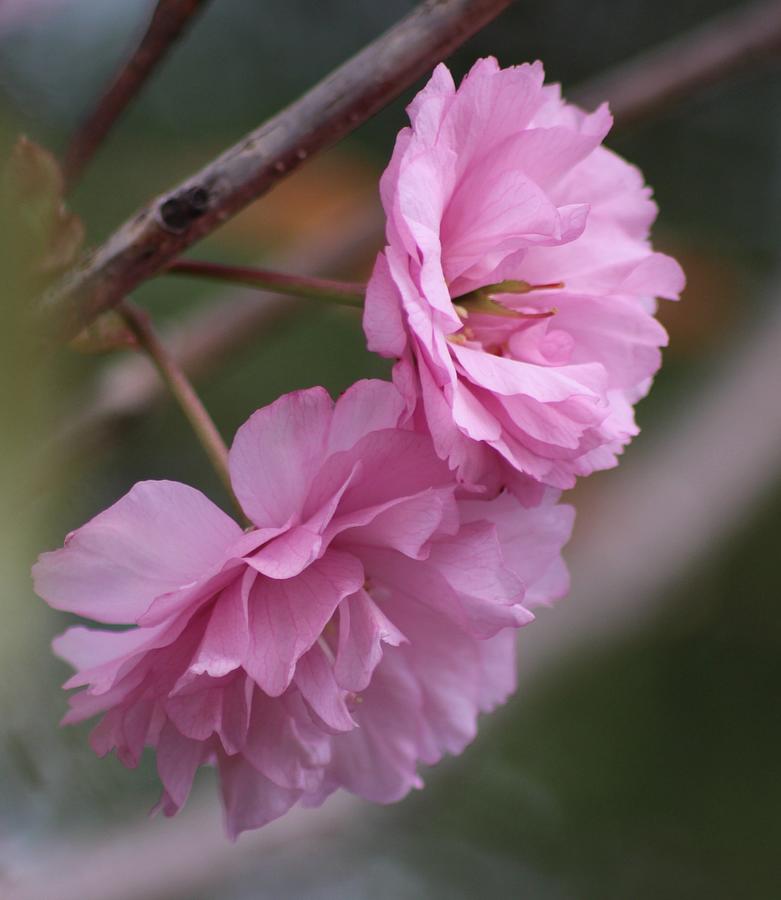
{"x":402,"y":534}
{"x":518,"y":286}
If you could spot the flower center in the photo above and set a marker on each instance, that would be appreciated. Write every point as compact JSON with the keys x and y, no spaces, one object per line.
{"x":489,"y":335}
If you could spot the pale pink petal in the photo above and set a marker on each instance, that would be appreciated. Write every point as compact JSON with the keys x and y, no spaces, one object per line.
{"x":159,"y":537}
{"x":509,"y":376}
{"x":429,"y":106}
{"x":363,"y":628}
{"x":394,"y":464}
{"x":406,"y":525}
{"x":249,"y":798}
{"x":286,"y":617}
{"x":368,"y":405}
{"x":289,"y":554}
{"x":276,"y":453}
{"x":378,"y":760}
{"x":382,"y":320}
{"x":480,"y":611}
{"x":499,"y":670}
{"x":225,"y":639}
{"x":280,"y":747}
{"x":178,"y":759}
{"x":531,"y":541}
{"x":325,"y":698}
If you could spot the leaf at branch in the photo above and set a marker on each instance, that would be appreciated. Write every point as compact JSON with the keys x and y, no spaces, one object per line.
{"x":108,"y":332}
{"x":46,"y":235}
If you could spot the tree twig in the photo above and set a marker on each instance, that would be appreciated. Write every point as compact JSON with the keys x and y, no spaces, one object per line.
{"x":344,"y":293}
{"x":169,"y":20}
{"x":205,"y":338}
{"x":179,"y":385}
{"x":653,"y":80}
{"x":200,"y":342}
{"x":152,"y":238}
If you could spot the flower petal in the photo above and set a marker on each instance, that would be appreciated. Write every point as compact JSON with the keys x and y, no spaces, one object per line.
{"x":158,"y":538}
{"x":286,"y":617}
{"x":277,"y":452}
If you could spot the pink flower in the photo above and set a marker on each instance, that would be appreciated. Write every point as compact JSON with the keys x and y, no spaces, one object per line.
{"x":497,"y":181}
{"x":357,"y":630}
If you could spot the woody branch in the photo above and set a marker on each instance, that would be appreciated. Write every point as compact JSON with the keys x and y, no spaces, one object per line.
{"x":167,"y":24}
{"x":152,"y":238}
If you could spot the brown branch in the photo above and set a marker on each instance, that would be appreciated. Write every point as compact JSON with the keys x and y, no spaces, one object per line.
{"x":658,"y":78}
{"x":151,"y":239}
{"x":169,"y":20}
{"x":345,"y":293}
{"x":201,"y":342}
{"x":180,"y":387}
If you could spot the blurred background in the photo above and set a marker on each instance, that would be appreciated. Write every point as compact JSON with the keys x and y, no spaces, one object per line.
{"x":640,"y":758}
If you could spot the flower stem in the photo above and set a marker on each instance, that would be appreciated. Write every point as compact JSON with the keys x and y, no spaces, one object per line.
{"x":168,"y":22}
{"x":345,"y":293}
{"x":179,"y":385}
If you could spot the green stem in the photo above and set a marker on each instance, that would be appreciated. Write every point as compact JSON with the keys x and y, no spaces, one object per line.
{"x":483,"y":299}
{"x":345,"y":293}
{"x":179,"y":385}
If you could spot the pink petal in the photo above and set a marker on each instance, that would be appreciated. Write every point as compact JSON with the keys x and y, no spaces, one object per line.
{"x":277,"y":452}
{"x":224,"y":643}
{"x":509,"y":376}
{"x":178,"y":759}
{"x":382,"y":321}
{"x":103,"y":657}
{"x":378,"y":760}
{"x":406,"y":525}
{"x":477,"y":610}
{"x":289,"y":554}
{"x":394,"y":464}
{"x":326,"y":699}
{"x":531,"y":541}
{"x":159,"y":537}
{"x":363,"y":628}
{"x":546,"y":153}
{"x":279,"y":747}
{"x":369,"y":405}
{"x":286,"y":617}
{"x":249,"y":798}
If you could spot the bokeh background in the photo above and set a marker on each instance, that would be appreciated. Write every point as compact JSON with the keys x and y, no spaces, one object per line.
{"x":640,"y":758}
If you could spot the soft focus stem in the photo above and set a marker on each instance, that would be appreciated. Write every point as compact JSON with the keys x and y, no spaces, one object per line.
{"x":344,"y":293}
{"x":168,"y":22}
{"x":179,"y":385}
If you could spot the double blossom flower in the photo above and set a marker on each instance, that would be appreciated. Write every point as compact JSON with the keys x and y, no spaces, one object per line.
{"x":356,"y":630}
{"x":518,"y":285}
{"x":359,"y":626}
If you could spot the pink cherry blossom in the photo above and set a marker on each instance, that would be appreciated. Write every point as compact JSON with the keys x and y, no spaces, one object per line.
{"x":501,"y":181}
{"x":354,"y":632}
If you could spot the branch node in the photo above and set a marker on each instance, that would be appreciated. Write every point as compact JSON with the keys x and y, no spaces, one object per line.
{"x":176,"y":213}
